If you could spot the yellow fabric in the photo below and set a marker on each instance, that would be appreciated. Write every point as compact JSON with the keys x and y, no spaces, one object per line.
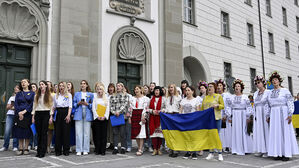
{"x":51,"y":126}
{"x":192,"y":140}
{"x":295,"y":120}
{"x":101,"y":110}
{"x":211,"y":100}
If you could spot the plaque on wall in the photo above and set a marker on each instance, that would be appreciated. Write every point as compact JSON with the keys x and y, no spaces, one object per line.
{"x":135,"y":7}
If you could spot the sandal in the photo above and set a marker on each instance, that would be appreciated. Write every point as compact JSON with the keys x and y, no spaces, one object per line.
{"x":139,"y":153}
{"x":19,"y":152}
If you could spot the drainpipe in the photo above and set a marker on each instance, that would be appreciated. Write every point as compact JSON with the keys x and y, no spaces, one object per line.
{"x":261,"y":37}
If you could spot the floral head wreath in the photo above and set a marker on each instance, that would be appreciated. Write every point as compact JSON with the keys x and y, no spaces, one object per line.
{"x":259,"y":78}
{"x":202,"y":83}
{"x":220,"y":81}
{"x":275,"y":74}
{"x":238,"y":81}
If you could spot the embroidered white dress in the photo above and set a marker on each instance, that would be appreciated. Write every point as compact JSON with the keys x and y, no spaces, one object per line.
{"x":142,"y":104}
{"x":260,"y":124}
{"x":282,"y":140}
{"x":240,"y":109}
{"x":226,"y":133}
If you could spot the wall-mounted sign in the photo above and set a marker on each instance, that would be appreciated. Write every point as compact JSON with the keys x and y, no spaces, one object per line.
{"x":135,"y":7}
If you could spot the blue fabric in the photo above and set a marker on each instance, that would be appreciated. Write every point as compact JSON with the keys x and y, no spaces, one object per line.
{"x":187,"y":122}
{"x":82,"y":128}
{"x":33,"y":129}
{"x":78,"y":108}
{"x":116,"y":121}
{"x":7,"y":132}
{"x":296,"y":103}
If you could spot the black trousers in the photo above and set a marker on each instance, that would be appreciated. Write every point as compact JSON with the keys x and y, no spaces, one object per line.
{"x":62,"y":131}
{"x":99,"y":132}
{"x":119,"y":131}
{"x":41,"y":125}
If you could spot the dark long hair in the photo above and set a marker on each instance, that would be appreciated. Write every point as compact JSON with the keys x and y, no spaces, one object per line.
{"x":72,"y":89}
{"x":88,"y":87}
{"x":48,"y":100}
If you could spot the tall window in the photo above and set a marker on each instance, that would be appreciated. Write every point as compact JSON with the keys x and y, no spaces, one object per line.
{"x":268,"y":7}
{"x":290,"y":84}
{"x":296,"y":2}
{"x":189,"y":11}
{"x":297,"y":23}
{"x":225,"y":24}
{"x":227,"y":70}
{"x":271,"y":42}
{"x":284,"y":16}
{"x":250,"y":36}
{"x":252,"y":76}
{"x":248,"y":2}
{"x":287,"y":46}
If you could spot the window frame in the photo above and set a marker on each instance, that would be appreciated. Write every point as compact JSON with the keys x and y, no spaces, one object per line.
{"x":268,"y":8}
{"x":284,"y":16}
{"x":250,"y":34}
{"x":190,"y":10}
{"x":287,"y":49}
{"x":290,"y":84}
{"x":252,"y":72}
{"x":271,"y":42}
{"x":225,"y":24}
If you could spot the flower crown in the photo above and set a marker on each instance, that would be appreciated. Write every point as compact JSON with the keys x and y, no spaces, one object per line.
{"x":220,"y":81}
{"x":238,"y":81}
{"x":259,"y":78}
{"x":275,"y":74}
{"x":202,"y":83}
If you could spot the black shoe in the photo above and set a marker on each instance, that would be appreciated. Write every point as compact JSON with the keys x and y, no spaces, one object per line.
{"x":66,"y":153}
{"x":278,"y":158}
{"x":174,"y":155}
{"x":42,"y":155}
{"x":96,"y":153}
{"x":171,"y":154}
{"x":37,"y":155}
{"x":57,"y":154}
{"x":115,"y":151}
{"x":194,"y":156}
{"x":187,"y":155}
{"x":122,"y":151}
{"x":103,"y":154}
{"x":111,"y":146}
{"x":285,"y":159}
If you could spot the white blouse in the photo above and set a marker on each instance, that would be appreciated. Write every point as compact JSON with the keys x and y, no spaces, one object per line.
{"x":173,"y":104}
{"x":63,"y":101}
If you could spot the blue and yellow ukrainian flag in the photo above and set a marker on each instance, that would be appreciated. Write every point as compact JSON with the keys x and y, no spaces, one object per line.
{"x":295,"y":118}
{"x":191,"y":132}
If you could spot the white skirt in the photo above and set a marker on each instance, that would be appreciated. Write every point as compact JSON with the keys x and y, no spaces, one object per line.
{"x":260,"y":131}
{"x":226,"y":135}
{"x":142,"y":133}
{"x":282,"y":139}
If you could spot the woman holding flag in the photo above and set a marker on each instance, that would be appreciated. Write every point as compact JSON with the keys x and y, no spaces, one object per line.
{"x":157,"y":104}
{"x":213,"y":100}
{"x":139,"y":103}
{"x":188,"y":105}
{"x":240,"y":110}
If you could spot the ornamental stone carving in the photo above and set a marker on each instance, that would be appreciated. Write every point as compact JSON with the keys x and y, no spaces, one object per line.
{"x":135,"y":7}
{"x":131,"y":47}
{"x":18,"y":22}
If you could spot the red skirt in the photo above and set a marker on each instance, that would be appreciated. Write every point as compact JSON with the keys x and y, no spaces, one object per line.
{"x":135,"y":120}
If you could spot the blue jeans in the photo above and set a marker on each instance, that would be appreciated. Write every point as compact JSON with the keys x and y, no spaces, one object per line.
{"x":8,"y":129}
{"x":82,"y":128}
{"x":218,"y":124}
{"x":128,"y":135}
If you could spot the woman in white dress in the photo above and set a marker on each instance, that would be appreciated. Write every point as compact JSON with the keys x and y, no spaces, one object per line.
{"x":139,"y":104}
{"x":173,"y":101}
{"x":225,"y":132}
{"x":261,"y":111}
{"x":282,"y":140}
{"x":240,"y":109}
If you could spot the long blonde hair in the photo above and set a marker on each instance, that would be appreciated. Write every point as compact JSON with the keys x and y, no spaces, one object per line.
{"x":101,"y":86}
{"x":65,"y":89}
{"x":175,"y":90}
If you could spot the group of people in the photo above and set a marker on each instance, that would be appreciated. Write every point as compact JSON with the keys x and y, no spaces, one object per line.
{"x":263,"y":127}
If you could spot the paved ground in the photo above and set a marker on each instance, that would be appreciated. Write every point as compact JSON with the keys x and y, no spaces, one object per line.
{"x":8,"y":159}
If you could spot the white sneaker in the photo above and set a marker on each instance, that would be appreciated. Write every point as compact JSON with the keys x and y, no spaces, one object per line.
{"x":210,"y":156}
{"x":129,"y":149}
{"x":3,"y":149}
{"x":220,"y":157}
{"x":85,"y":153}
{"x":35,"y":148}
{"x":265,"y":155}
{"x":150,"y":149}
{"x":14,"y":149}
{"x":78,"y":154}
{"x":29,"y":147}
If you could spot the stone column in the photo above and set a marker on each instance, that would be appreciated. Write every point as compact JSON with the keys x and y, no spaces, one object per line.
{"x":173,"y":42}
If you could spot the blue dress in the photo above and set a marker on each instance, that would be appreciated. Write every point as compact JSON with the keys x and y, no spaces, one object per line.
{"x":24,"y":100}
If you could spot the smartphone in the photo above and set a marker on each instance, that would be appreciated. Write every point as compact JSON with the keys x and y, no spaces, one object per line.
{"x":82,"y":100}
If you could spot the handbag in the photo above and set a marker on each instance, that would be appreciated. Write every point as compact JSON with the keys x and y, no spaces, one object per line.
{"x":250,"y":125}
{"x":116,"y":121}
{"x":223,"y":124}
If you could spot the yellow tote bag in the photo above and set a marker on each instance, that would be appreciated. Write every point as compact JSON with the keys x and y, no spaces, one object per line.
{"x":101,"y":110}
